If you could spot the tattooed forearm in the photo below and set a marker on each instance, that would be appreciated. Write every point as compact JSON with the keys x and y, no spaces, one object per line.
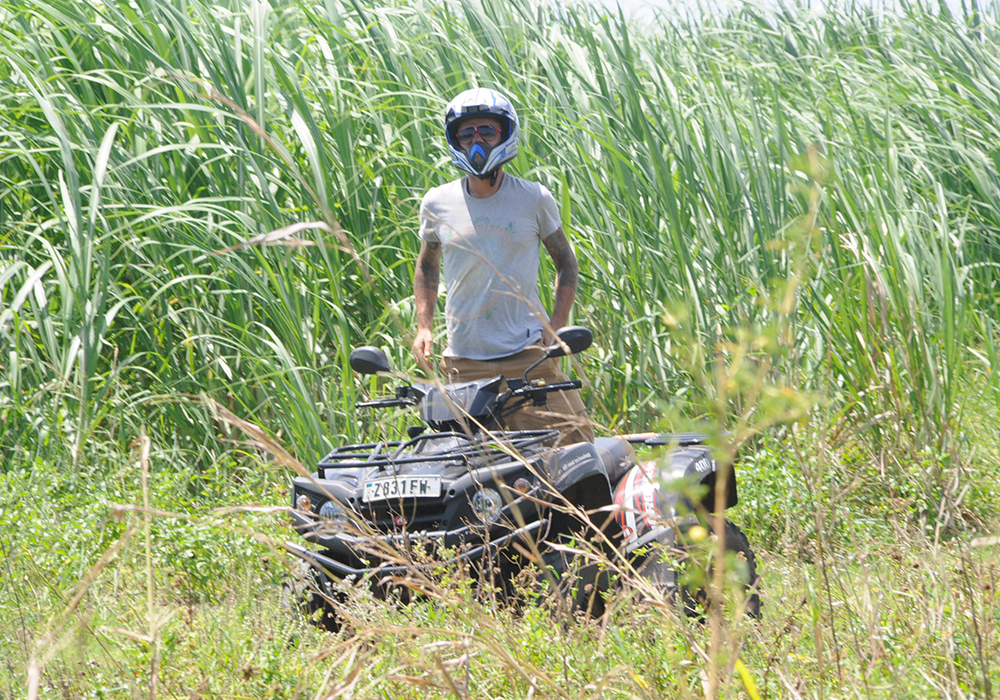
{"x":567,"y":273}
{"x":425,"y":290}
{"x":427,"y":275}
{"x":561,"y":252}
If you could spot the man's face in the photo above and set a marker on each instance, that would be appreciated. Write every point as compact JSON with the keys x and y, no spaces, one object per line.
{"x":484,"y":130}
{"x":477,"y":136}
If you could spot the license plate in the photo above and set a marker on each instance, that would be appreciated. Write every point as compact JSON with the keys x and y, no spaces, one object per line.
{"x":402,"y":487}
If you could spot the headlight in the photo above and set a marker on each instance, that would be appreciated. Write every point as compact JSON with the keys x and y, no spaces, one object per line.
{"x":486,"y":504}
{"x":332,"y":515}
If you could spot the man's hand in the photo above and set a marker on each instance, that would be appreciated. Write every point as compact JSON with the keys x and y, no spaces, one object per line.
{"x":423,"y":348}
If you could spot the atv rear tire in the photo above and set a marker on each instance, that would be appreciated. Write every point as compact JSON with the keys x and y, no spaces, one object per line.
{"x":697,"y":566}
{"x":576,"y":587}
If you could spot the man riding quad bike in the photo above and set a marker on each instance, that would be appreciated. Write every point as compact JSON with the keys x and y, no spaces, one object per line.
{"x":464,"y":490}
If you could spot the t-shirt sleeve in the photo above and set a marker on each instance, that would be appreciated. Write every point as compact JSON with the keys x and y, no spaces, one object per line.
{"x":429,"y":221}
{"x":548,"y":214}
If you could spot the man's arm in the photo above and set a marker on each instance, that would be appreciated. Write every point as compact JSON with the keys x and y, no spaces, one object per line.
{"x":426,"y":278}
{"x":567,"y":274}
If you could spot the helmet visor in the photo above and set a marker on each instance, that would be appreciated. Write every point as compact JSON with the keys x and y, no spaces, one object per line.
{"x":487,"y":132}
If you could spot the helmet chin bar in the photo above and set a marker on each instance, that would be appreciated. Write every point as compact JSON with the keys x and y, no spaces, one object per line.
{"x":479,"y":153}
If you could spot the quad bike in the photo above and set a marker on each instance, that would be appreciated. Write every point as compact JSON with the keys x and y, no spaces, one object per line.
{"x":462,"y":490}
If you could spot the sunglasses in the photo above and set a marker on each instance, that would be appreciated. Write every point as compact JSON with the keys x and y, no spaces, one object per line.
{"x":486,"y":131}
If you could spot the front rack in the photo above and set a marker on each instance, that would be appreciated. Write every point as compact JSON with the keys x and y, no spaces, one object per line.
{"x":377,"y":454}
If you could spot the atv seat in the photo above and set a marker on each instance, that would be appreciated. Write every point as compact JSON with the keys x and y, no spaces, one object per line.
{"x":617,"y":455}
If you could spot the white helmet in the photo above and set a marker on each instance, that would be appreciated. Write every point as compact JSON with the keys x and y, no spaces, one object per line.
{"x":481,"y":160}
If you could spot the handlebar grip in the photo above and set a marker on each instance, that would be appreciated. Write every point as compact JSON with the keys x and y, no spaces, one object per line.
{"x":560,"y":386}
{"x":386,"y":402}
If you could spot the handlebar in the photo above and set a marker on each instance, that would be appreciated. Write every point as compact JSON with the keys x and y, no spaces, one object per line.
{"x":533,"y":391}
{"x":563,"y":386}
{"x":388,"y":402}
{"x":406,"y":395}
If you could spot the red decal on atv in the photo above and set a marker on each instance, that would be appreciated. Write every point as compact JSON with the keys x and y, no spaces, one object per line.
{"x":620,"y":502}
{"x":649,"y":504}
{"x":628,"y":499}
{"x":399,"y":521}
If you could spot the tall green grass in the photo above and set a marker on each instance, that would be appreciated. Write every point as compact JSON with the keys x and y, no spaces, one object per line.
{"x":143,"y":145}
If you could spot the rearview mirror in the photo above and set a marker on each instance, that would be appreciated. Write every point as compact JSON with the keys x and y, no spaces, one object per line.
{"x":369,"y":360}
{"x":576,"y":338}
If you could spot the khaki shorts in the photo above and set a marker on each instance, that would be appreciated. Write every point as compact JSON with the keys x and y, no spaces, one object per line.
{"x":564,"y":410}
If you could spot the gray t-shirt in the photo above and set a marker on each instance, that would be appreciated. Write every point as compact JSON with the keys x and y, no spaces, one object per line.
{"x":490,"y":249}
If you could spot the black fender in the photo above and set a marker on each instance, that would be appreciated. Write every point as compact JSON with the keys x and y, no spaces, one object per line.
{"x":576,"y":464}
{"x":580,"y":474}
{"x":691,"y":475}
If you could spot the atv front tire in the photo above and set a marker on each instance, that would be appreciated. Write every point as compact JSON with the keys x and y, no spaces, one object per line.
{"x":575,"y":585}
{"x":307,"y":592}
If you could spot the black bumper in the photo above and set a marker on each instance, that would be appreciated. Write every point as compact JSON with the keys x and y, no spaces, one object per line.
{"x":336,"y":569}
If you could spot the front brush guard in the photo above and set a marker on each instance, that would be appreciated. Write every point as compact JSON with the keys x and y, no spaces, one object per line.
{"x":335,"y":569}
